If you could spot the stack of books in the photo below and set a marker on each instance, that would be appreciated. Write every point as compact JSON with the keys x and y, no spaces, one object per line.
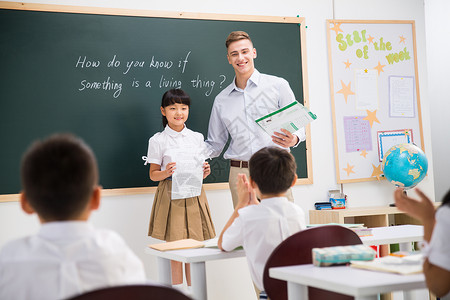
{"x":359,"y":229}
{"x":362,"y":231}
{"x":411,"y":264}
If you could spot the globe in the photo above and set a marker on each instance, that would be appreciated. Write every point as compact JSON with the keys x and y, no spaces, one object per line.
{"x":405,"y":165}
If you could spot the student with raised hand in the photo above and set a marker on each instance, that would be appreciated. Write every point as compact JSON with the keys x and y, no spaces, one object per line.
{"x":436,"y":266}
{"x":176,"y":219}
{"x":261,"y":226}
{"x":68,"y":256}
{"x":250,"y":96}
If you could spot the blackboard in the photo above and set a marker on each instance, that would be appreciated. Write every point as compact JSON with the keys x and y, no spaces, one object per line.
{"x":101,"y":75}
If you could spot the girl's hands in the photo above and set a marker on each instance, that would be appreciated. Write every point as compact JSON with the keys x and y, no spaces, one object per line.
{"x":206,"y":169}
{"x":170,"y":168}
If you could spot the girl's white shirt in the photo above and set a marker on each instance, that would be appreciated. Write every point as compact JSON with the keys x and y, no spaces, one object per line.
{"x":163,"y":145}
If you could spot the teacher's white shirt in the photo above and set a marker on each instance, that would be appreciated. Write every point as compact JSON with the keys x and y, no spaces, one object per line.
{"x":234,"y":113}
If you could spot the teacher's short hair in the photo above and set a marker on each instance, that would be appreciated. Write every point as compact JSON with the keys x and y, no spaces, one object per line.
{"x":237,"y":36}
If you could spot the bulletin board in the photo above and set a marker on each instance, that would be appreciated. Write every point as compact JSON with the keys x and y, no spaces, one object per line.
{"x":374,"y":90}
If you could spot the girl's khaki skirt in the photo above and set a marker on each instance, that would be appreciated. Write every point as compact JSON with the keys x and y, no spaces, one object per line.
{"x":173,"y":220}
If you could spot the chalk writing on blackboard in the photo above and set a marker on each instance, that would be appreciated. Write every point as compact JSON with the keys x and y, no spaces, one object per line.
{"x":152,"y":68}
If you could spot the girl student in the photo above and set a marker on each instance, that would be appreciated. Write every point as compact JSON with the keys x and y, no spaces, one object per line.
{"x":173,"y":220}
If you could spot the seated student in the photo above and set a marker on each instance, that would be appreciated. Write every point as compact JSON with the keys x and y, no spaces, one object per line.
{"x":261,"y":226}
{"x":68,"y":256}
{"x":436,"y":266}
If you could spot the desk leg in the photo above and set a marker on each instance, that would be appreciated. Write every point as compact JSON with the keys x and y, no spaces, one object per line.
{"x":198,"y":274}
{"x":164,"y":271}
{"x":405,"y":247}
{"x":297,"y":291}
{"x":408,"y":295}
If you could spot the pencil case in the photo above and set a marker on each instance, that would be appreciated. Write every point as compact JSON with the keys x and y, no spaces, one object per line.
{"x":339,"y":255}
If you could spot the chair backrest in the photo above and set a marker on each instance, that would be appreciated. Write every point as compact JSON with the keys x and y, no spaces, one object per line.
{"x":297,"y":250}
{"x":134,"y":292}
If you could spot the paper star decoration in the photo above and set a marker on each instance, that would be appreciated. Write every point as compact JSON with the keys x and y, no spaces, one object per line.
{"x":364,"y":153}
{"x":406,"y":132}
{"x":347,"y":64}
{"x":377,"y":171}
{"x":349,"y":169}
{"x":379,"y":68}
{"x":370,"y":39}
{"x":336,"y":28}
{"x":345,"y":90}
{"x":402,"y":39}
{"x":371,"y":117}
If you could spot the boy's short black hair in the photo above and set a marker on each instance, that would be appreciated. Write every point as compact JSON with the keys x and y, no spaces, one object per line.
{"x":59,"y":175}
{"x":273,"y":170}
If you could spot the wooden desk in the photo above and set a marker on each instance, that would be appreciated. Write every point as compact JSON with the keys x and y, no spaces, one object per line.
{"x":197,"y":258}
{"x":361,"y":284}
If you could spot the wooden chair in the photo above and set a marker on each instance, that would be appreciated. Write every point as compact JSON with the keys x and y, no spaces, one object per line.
{"x":297,"y":250}
{"x":134,"y":292}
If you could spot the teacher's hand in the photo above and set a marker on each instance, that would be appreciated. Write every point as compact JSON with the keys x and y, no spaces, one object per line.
{"x":284,"y":139}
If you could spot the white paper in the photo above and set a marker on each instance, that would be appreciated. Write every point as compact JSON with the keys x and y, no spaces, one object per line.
{"x":292,"y":117}
{"x":401,"y":96}
{"x":366,"y":89}
{"x":188,"y":176}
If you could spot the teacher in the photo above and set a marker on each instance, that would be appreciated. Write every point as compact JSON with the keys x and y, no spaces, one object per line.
{"x":250,"y":96}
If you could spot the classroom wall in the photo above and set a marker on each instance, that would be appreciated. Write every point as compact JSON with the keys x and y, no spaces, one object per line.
{"x":438,"y":61}
{"x":129,"y":215}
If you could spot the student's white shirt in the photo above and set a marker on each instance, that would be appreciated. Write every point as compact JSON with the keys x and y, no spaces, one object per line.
{"x":162,"y":146}
{"x":439,"y":247}
{"x":65,"y":259}
{"x":234,"y":113}
{"x":260,"y":229}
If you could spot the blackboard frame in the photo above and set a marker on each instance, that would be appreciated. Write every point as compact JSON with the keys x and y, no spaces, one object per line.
{"x":180,"y":15}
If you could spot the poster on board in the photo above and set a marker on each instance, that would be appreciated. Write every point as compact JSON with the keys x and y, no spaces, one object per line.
{"x":374,"y":93}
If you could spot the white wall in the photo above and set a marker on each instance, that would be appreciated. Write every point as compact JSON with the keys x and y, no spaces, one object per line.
{"x":129,"y":215}
{"x":438,"y":62}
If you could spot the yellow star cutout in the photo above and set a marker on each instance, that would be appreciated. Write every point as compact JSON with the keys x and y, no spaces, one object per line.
{"x":371,"y":117}
{"x":364,"y":153}
{"x":377,"y":171}
{"x":402,"y":39}
{"x":347,"y":64}
{"x":349,"y":169}
{"x":406,"y":132}
{"x":336,"y":28}
{"x":345,"y":90}
{"x":379,"y":68}
{"x":370,"y":39}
